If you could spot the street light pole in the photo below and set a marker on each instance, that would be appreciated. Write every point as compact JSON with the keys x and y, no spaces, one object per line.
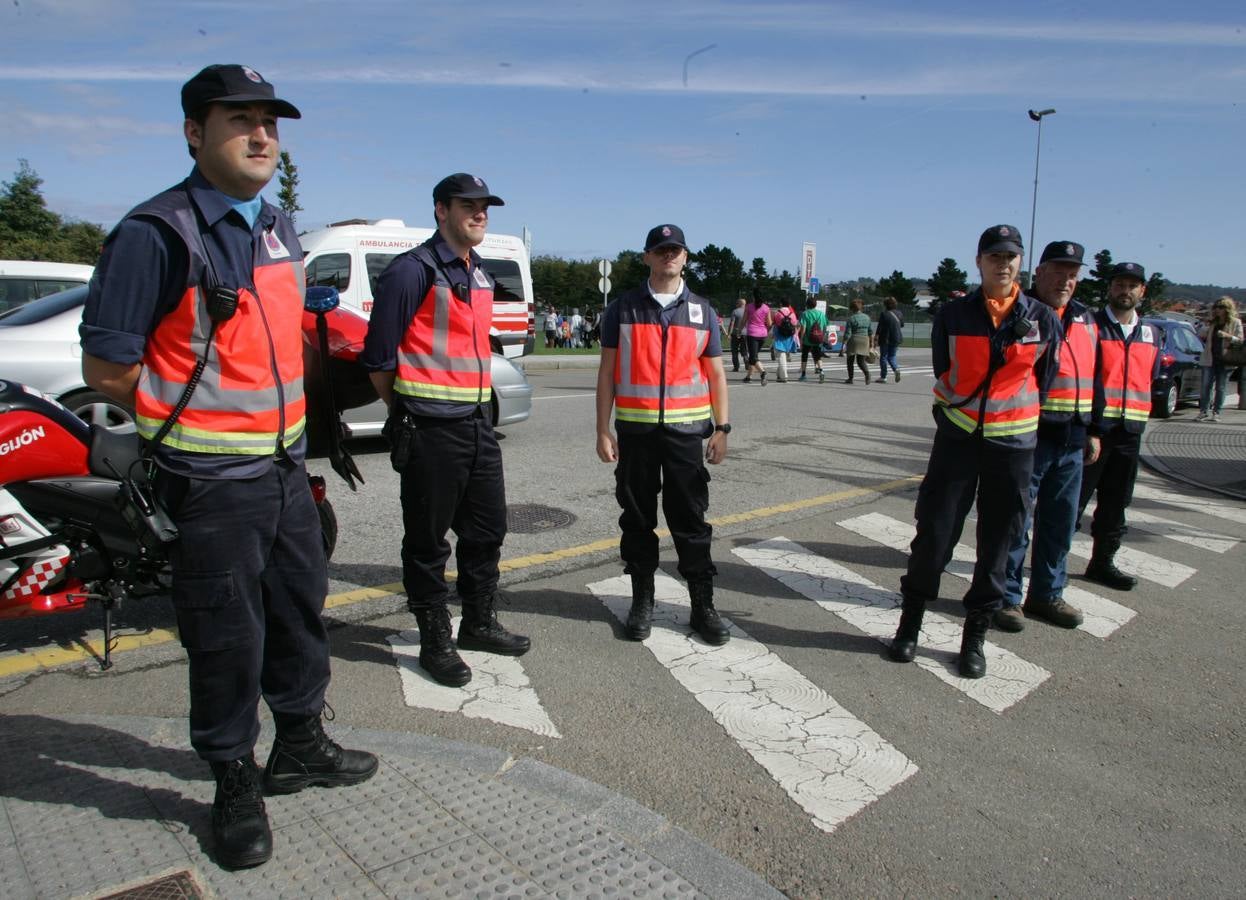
{"x":1037,"y":117}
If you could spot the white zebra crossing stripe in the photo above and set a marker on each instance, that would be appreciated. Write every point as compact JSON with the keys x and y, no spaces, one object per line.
{"x":828,"y":761}
{"x":1159,"y":493}
{"x":1138,"y":562}
{"x":1179,"y":531}
{"x":499,"y":689}
{"x":875,"y":611}
{"x":1102,"y":616}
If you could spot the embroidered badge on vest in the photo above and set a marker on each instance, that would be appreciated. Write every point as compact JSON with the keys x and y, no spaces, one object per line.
{"x":694,"y":314}
{"x":482,"y":280}
{"x":276,"y":249}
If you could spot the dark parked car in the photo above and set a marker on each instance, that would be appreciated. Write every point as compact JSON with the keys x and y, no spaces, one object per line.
{"x":1179,"y":378}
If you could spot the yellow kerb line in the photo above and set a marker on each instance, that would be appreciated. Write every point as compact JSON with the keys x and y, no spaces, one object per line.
{"x":29,"y":661}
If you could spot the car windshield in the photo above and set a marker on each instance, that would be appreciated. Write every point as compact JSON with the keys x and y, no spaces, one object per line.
{"x":44,"y":307}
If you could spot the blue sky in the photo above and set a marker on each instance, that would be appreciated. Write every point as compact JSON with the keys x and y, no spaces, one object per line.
{"x":888,"y":134}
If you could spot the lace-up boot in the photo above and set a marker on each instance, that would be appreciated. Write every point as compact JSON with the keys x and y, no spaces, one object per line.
{"x":904,"y":644}
{"x":303,"y":755}
{"x":972,"y":656}
{"x":640,"y":617}
{"x":239,"y":822}
{"x":1103,"y":569}
{"x":705,"y":620}
{"x":438,"y":656}
{"x":480,"y":629}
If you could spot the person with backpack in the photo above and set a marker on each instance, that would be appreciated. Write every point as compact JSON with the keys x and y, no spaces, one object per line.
{"x":812,"y":336}
{"x":786,"y":342}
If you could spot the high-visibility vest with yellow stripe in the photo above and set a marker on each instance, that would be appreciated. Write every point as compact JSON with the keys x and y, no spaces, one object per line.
{"x":1072,"y":392}
{"x":444,"y":355}
{"x":249,"y":400}
{"x":1126,"y":371}
{"x":660,"y":375}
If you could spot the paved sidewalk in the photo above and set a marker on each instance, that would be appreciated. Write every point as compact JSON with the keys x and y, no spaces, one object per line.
{"x":533,"y":362}
{"x":1210,"y":455}
{"x":102,"y":806}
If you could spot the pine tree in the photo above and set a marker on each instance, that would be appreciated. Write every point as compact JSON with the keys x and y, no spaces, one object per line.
{"x":288,"y":196}
{"x":947,"y":280}
{"x":898,"y":285}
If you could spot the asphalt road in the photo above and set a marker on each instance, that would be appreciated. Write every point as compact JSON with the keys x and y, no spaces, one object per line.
{"x":1102,"y":763}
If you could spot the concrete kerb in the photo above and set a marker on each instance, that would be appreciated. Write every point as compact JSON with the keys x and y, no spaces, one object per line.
{"x":602,"y":817}
{"x":533,"y":362}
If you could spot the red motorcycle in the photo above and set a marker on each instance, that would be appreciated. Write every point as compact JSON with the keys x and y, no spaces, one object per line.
{"x":78,"y":523}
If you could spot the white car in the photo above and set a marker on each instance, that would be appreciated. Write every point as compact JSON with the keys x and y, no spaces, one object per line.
{"x":22,"y":281}
{"x":39,"y":347}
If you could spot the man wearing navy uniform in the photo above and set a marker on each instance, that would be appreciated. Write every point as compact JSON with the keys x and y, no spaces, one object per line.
{"x":427,"y":353}
{"x":1129,"y":359}
{"x":249,"y":572}
{"x":661,"y":372}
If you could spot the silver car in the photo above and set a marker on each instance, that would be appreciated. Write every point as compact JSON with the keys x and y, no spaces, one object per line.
{"x":39,"y":347}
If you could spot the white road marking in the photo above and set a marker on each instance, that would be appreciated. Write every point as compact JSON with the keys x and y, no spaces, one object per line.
{"x":499,"y":689}
{"x":1179,"y":531}
{"x":1161,"y":493}
{"x":828,"y":761}
{"x":1138,"y":562}
{"x":875,"y":611}
{"x":1102,"y":616}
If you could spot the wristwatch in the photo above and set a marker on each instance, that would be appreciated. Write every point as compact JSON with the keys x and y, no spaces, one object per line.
{"x":724,"y":427}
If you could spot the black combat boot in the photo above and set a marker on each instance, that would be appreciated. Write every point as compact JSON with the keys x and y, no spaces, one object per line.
{"x":303,"y":755}
{"x":640,"y":617}
{"x":1103,"y":569}
{"x":438,"y":656}
{"x":704,"y":619}
{"x":480,"y":629}
{"x":239,"y":823}
{"x":904,"y":644}
{"x":972,"y":656}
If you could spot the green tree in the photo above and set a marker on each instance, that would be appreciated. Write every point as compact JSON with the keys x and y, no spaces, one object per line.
{"x":1093,"y":288}
{"x":899,"y":286}
{"x":288,"y":196}
{"x":946,"y":280}
{"x":29,"y":230}
{"x":717,"y":274}
{"x":1154,"y":297}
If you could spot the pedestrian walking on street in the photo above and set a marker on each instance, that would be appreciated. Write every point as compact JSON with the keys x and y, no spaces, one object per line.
{"x":857,"y":339}
{"x":888,"y":338}
{"x":249,"y":571}
{"x":1222,"y":331}
{"x":1128,"y":362}
{"x":993,"y":360}
{"x":735,"y":334}
{"x":1063,"y":445}
{"x":785,"y":339}
{"x":813,"y":327}
{"x":551,"y":328}
{"x":661,"y":373}
{"x":427,"y":353}
{"x":757,"y":322}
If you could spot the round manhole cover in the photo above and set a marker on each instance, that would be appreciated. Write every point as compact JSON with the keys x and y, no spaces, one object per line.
{"x":528,"y":518}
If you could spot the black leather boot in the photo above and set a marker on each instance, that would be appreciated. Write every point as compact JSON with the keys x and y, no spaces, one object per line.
{"x":972,"y":657}
{"x":239,"y":822}
{"x":303,"y":755}
{"x":438,"y":656}
{"x":640,"y":617}
{"x":704,"y":620}
{"x":480,"y":629}
{"x":1103,"y":569}
{"x":904,"y":644}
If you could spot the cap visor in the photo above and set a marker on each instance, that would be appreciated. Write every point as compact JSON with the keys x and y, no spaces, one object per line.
{"x":1005,"y":247}
{"x":679,"y":244}
{"x":282,"y":108}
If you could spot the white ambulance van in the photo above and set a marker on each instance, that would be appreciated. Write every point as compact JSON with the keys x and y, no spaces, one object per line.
{"x":351,"y":255}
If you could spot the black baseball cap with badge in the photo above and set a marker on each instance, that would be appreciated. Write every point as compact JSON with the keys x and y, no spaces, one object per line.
{"x":232,"y":84}
{"x":1064,"y":251}
{"x":469,"y":187}
{"x":1127,"y":270}
{"x":665,"y":236}
{"x":1000,"y":239}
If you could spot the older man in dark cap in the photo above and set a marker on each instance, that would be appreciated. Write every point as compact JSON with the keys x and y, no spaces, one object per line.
{"x":249,"y":573}
{"x":427,"y":352}
{"x":992,"y":363}
{"x":1063,"y":443}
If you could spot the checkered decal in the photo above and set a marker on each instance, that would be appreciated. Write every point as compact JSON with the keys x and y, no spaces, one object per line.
{"x":36,"y":578}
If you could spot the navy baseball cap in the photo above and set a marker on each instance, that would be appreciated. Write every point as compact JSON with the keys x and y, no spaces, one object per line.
{"x":1127,"y":270}
{"x":665,"y":236}
{"x":1063,"y":251}
{"x":232,"y":84}
{"x":469,"y":187}
{"x":1000,"y":239}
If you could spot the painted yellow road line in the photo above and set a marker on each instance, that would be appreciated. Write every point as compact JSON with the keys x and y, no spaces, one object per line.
{"x":33,"y":660}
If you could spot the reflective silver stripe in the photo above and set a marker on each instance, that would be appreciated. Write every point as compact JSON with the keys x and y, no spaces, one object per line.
{"x":429,"y":361}
{"x":213,"y":398}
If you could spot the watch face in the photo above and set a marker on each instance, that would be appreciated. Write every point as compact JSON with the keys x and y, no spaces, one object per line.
{"x":725,"y":428}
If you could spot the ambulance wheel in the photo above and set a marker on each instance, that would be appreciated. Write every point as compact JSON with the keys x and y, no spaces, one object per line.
{"x":328,"y":527}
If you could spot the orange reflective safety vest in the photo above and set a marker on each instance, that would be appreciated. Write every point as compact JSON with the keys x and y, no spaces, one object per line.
{"x":990,"y":385}
{"x":444,"y":355}
{"x":1127,"y":368}
{"x":249,"y":400}
{"x":660,"y":375}
{"x":1072,"y":391}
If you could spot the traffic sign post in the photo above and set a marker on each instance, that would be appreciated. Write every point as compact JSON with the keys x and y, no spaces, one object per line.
{"x":603,"y":283}
{"x":815,"y":286}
